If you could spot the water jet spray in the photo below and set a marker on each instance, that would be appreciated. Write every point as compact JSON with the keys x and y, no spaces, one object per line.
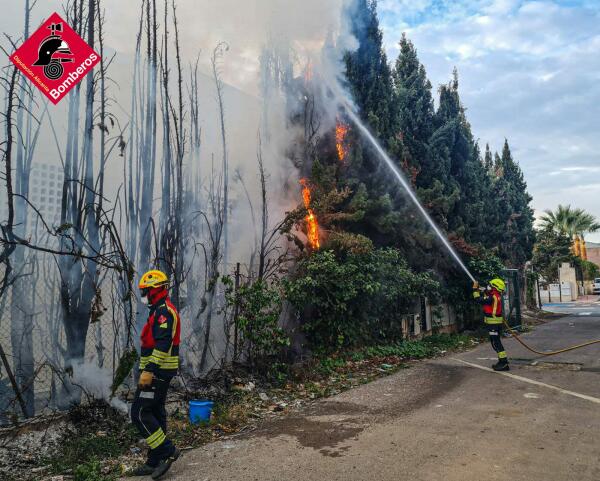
{"x":400,"y":177}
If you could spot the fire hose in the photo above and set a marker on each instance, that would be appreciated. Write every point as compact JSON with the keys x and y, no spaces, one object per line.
{"x":547,"y":353}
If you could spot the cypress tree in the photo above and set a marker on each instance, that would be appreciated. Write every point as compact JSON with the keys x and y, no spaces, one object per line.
{"x":457,"y":176}
{"x":516,"y":236}
{"x":369,"y":79}
{"x":415,"y":111}
{"x":488,"y":161}
{"x":368,"y":73}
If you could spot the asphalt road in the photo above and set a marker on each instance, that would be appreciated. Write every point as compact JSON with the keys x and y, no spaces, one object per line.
{"x":447,"y":419}
{"x":589,"y":307}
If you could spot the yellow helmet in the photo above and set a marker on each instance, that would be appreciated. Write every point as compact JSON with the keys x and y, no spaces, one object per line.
{"x":153,"y":278}
{"x":498,"y":284}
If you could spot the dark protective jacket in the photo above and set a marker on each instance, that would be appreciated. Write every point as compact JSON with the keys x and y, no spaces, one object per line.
{"x":492,"y":305}
{"x":160,"y":339}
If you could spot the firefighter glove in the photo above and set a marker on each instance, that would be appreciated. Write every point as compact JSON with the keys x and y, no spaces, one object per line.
{"x":145,"y":379}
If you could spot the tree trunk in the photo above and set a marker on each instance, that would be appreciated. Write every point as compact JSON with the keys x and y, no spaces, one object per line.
{"x":21,"y":310}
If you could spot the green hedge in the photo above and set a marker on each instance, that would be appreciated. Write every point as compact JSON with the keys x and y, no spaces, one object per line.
{"x":355,"y":298}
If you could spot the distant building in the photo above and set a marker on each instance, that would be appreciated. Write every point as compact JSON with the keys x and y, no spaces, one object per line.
{"x":593,"y":252}
{"x":45,"y":194}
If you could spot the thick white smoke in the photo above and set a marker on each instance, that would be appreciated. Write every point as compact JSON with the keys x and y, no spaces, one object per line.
{"x":302,"y":31}
{"x":96,"y":382}
{"x":303,"y":27}
{"x":244,"y":25}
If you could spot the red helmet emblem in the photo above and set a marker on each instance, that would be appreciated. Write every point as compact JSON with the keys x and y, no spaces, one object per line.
{"x":53,"y":52}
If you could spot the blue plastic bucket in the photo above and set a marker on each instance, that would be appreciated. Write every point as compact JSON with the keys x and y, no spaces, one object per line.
{"x":200,"y":411}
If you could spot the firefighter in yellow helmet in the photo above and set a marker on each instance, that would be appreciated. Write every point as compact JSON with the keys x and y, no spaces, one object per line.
{"x":159,"y":362}
{"x":491,"y":300}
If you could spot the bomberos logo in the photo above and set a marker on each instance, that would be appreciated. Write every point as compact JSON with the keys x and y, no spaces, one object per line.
{"x":55,"y":58}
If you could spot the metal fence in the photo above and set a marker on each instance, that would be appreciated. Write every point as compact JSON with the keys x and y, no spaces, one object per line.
{"x":37,"y":357}
{"x":512,"y":297}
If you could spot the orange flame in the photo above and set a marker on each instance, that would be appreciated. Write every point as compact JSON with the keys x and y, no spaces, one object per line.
{"x":312,"y":226}
{"x":341,"y":131}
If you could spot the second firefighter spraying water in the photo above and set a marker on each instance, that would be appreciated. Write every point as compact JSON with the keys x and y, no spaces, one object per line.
{"x":491,"y":300}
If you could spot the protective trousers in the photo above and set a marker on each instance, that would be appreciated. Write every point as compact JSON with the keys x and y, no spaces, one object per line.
{"x":149,"y":415}
{"x":495,"y":333}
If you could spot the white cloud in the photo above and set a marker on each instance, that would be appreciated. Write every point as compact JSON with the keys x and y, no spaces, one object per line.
{"x":581,"y":169}
{"x":500,"y":7}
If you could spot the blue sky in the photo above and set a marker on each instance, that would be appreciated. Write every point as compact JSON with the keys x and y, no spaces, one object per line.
{"x":529,"y":71}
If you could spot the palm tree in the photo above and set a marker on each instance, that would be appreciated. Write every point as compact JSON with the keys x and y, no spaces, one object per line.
{"x":573,"y":222}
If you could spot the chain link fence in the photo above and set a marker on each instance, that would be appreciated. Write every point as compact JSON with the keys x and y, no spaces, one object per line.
{"x":34,"y":343}
{"x":35,"y":352}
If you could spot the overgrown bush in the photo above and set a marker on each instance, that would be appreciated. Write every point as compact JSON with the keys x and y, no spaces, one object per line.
{"x":258,"y":306}
{"x":407,"y":349}
{"x":354,"y":298}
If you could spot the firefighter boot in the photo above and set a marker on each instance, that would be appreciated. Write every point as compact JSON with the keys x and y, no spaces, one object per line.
{"x":165,"y":465}
{"x":143,"y":470}
{"x":501,"y":365}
